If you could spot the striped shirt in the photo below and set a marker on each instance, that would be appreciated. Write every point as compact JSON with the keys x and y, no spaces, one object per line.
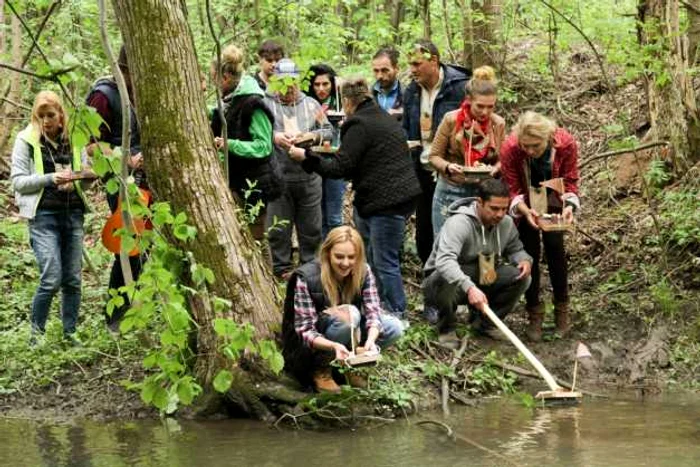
{"x":306,"y":315}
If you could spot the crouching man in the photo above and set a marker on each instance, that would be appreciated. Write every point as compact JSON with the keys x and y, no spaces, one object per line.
{"x":477,"y":259}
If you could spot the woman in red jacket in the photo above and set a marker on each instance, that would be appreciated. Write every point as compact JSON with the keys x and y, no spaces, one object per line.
{"x":538,"y":151}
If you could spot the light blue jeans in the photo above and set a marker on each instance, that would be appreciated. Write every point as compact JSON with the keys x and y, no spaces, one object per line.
{"x":56,"y":236}
{"x":339,"y":331}
{"x":446,"y":194}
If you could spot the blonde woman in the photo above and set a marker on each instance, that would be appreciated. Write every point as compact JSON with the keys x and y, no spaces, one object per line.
{"x":467,"y":136}
{"x":536,"y":152}
{"x":323,"y":297}
{"x":48,"y":194}
{"x":249,"y":134}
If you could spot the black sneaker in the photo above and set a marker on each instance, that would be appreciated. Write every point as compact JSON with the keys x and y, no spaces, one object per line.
{"x":431,"y":315}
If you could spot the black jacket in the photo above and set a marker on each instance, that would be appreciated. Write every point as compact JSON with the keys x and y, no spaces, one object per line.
{"x":374,"y":155}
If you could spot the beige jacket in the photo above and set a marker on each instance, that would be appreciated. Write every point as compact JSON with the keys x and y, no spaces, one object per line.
{"x":448,"y":147}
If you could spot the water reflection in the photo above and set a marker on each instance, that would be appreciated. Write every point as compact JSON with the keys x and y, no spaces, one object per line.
{"x":595,"y":434}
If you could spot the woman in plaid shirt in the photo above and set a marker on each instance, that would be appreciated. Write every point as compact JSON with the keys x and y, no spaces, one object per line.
{"x":323,"y":298}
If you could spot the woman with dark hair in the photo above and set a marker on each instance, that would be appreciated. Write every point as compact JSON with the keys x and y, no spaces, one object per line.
{"x":323,"y":88}
{"x":46,"y":168}
{"x":326,"y":299}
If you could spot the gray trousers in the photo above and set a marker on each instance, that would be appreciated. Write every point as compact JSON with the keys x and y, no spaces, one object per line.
{"x":300,"y":205}
{"x":502,"y":295}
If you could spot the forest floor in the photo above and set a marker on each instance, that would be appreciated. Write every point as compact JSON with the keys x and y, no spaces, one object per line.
{"x":635,"y":291}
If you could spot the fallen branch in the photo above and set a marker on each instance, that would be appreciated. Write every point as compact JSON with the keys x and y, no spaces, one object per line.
{"x":622,"y":151}
{"x":445,"y":382}
{"x":453,"y":436}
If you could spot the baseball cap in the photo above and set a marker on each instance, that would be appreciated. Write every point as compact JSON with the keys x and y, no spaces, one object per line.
{"x":286,"y":67}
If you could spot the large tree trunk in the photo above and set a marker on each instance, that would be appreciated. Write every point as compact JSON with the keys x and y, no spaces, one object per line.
{"x":693,"y":9}
{"x":183,"y":169}
{"x":672,"y":106}
{"x":9,"y":112}
{"x":425,"y":13}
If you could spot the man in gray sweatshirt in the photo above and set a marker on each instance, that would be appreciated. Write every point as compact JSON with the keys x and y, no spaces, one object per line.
{"x":477,"y":240}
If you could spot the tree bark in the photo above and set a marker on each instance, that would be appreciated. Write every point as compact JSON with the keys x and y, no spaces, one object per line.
{"x":8,"y":111}
{"x":672,"y":106}
{"x":487,"y":27}
{"x":183,"y":169}
{"x":425,"y":13}
{"x":693,"y":9}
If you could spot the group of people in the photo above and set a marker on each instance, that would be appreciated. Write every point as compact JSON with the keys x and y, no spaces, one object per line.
{"x":405,"y":150}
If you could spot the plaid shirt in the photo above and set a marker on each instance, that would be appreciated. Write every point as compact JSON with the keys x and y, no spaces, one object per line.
{"x":306,"y":315}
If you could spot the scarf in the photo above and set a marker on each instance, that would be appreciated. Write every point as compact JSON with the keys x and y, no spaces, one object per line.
{"x":477,"y":135}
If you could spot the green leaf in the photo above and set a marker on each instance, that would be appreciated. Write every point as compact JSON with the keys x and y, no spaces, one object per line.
{"x":186,"y":390}
{"x":183,"y":232}
{"x":223,"y":381}
{"x":161,"y":398}
{"x":148,"y":390}
{"x":112,"y":185}
{"x":276,"y":363}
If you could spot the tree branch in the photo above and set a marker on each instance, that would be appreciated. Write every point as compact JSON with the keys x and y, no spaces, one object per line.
{"x":126,"y":129}
{"x":16,"y":104}
{"x":603,"y":155}
{"x":218,"y":77}
{"x":53,"y":6}
{"x":53,"y":77}
{"x":599,"y":59}
{"x":41,"y":52}
{"x":690,"y":6}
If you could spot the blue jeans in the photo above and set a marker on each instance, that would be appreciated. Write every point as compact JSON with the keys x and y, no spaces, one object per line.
{"x":56,"y":237}
{"x":446,"y":194}
{"x":332,"y":204}
{"x":383,"y":237}
{"x":339,"y":331}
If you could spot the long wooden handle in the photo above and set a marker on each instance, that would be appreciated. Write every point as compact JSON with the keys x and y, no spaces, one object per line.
{"x":546,"y":375}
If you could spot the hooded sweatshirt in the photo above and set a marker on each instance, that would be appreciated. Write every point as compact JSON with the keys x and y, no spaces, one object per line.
{"x":260,"y":127}
{"x":462,"y":239}
{"x":308,"y":116}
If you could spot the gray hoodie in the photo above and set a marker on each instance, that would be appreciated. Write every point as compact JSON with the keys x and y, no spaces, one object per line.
{"x":462,"y":239}
{"x":305,"y":111}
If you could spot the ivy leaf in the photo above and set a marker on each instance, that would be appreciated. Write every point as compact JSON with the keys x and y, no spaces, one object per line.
{"x":223,"y":381}
{"x":112,"y":186}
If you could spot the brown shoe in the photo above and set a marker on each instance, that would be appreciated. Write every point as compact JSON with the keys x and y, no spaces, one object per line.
{"x":535,"y":316}
{"x":356,"y":380}
{"x":562,"y":319}
{"x":323,"y":381}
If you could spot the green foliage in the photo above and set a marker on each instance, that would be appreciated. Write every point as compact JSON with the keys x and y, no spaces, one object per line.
{"x":679,"y":213}
{"x":488,"y":377}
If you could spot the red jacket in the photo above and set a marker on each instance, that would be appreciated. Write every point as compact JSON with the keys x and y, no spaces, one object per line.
{"x":513,"y":160}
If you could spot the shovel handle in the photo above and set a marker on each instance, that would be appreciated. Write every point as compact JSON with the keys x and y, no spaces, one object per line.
{"x":546,"y":375}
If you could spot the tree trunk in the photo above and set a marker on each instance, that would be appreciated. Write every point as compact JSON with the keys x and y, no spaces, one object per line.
{"x":487,"y":27}
{"x":9,"y":112}
{"x":397,"y":14}
{"x":465,"y":7}
{"x":183,"y":169}
{"x":425,"y":13}
{"x":693,"y":9}
{"x":672,"y":107}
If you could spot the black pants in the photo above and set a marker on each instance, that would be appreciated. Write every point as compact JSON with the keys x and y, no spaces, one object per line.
{"x":116,"y":277}
{"x":424,"y":213}
{"x":555,"y":256}
{"x":502,"y":295}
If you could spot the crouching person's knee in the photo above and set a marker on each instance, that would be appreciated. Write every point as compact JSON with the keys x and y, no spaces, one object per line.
{"x":392,"y":330}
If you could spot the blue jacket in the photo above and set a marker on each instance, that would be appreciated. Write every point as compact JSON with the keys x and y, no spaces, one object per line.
{"x":449,"y":98}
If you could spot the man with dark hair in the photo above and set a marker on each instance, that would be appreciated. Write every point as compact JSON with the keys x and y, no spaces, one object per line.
{"x":387,"y":90}
{"x":105,"y":99}
{"x":269,"y":53}
{"x":436,"y":89}
{"x":478,"y":260}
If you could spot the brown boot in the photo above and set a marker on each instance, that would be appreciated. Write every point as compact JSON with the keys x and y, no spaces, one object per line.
{"x":323,"y":381}
{"x":535,"y":316}
{"x":356,"y":380}
{"x":562,"y":319}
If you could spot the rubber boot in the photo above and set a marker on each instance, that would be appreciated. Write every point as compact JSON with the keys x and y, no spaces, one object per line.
{"x":535,"y":317}
{"x":323,"y":381}
{"x":562,"y":319}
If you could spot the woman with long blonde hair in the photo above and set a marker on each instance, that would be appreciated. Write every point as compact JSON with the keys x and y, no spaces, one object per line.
{"x":325,"y":299}
{"x":46,"y":169}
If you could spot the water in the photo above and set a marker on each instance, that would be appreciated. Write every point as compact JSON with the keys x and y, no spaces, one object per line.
{"x":608,"y":433}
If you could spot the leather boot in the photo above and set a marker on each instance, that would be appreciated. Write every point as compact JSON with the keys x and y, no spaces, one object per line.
{"x":323,"y":381}
{"x":356,"y":380}
{"x":562,"y":319}
{"x":535,"y":317}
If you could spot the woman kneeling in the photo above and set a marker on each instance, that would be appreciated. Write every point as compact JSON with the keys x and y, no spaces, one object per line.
{"x":325,"y":299}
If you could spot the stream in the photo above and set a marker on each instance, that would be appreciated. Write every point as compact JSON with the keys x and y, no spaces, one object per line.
{"x":659,"y":433}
